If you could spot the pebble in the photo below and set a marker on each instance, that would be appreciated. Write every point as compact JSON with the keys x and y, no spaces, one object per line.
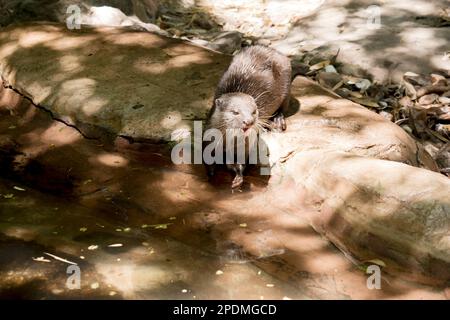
{"x":330,"y":68}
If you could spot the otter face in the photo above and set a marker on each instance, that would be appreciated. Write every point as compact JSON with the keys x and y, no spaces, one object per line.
{"x":237,"y":111}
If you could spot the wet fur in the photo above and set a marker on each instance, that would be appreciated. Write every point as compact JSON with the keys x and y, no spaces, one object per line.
{"x":257,"y":75}
{"x":261,"y":72}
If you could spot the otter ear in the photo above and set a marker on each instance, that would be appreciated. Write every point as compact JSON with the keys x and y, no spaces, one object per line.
{"x":219,"y":103}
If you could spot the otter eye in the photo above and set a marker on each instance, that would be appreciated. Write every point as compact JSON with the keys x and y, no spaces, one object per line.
{"x":235,"y":112}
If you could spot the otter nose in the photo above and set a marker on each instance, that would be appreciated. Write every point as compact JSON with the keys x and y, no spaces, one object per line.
{"x":249,"y":122}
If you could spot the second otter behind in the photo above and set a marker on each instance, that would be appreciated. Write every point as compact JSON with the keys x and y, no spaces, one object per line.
{"x":254,"y":92}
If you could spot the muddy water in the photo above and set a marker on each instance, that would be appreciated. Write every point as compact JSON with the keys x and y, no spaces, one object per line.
{"x":140,"y":227}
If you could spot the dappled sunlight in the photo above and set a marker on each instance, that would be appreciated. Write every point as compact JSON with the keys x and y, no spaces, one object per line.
{"x":34,"y":38}
{"x":57,"y":135}
{"x":130,"y":279}
{"x":69,"y":63}
{"x":86,"y":85}
{"x":9,"y":100}
{"x":7,"y":50}
{"x":133,"y":39}
{"x":35,"y":146}
{"x":189,"y":59}
{"x":79,"y":84}
{"x":23,"y":233}
{"x":68,"y":42}
{"x":171,"y":119}
{"x":112,"y":160}
{"x":94,"y":107}
{"x":151,"y":67}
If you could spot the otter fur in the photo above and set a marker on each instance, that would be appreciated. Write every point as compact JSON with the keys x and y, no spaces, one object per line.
{"x":253,"y":93}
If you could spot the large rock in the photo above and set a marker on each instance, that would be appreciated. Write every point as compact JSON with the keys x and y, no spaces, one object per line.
{"x":130,"y":83}
{"x":332,"y":162}
{"x":355,"y":175}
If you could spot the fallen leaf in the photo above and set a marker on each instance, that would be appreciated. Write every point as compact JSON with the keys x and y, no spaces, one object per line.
{"x":83,"y":229}
{"x":19,"y":188}
{"x":338,"y":85}
{"x":93,"y":247}
{"x":95,"y":285}
{"x":318,"y":66}
{"x":219,"y":272}
{"x":432,"y":89}
{"x":377,"y":262}
{"x":355,"y":94}
{"x":365,"y":102}
{"x":160,"y":226}
{"x":437,"y":135}
{"x":410,"y":90}
{"x":243,"y":225}
{"x":438,"y":80}
{"x":428,"y":99}
{"x":410,"y":74}
{"x":41,"y":259}
{"x":115,"y":245}
{"x":8,"y":196}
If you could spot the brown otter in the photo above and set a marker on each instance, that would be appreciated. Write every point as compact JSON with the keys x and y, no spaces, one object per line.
{"x":254,"y":89}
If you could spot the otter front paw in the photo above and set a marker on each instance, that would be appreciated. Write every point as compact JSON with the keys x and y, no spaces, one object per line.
{"x":237,"y":182}
{"x":279,"y":122}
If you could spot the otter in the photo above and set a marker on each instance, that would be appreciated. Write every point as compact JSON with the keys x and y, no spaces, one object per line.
{"x":253,"y":93}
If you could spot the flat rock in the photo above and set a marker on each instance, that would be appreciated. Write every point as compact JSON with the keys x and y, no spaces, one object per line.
{"x":130,"y":83}
{"x":331,"y":165}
